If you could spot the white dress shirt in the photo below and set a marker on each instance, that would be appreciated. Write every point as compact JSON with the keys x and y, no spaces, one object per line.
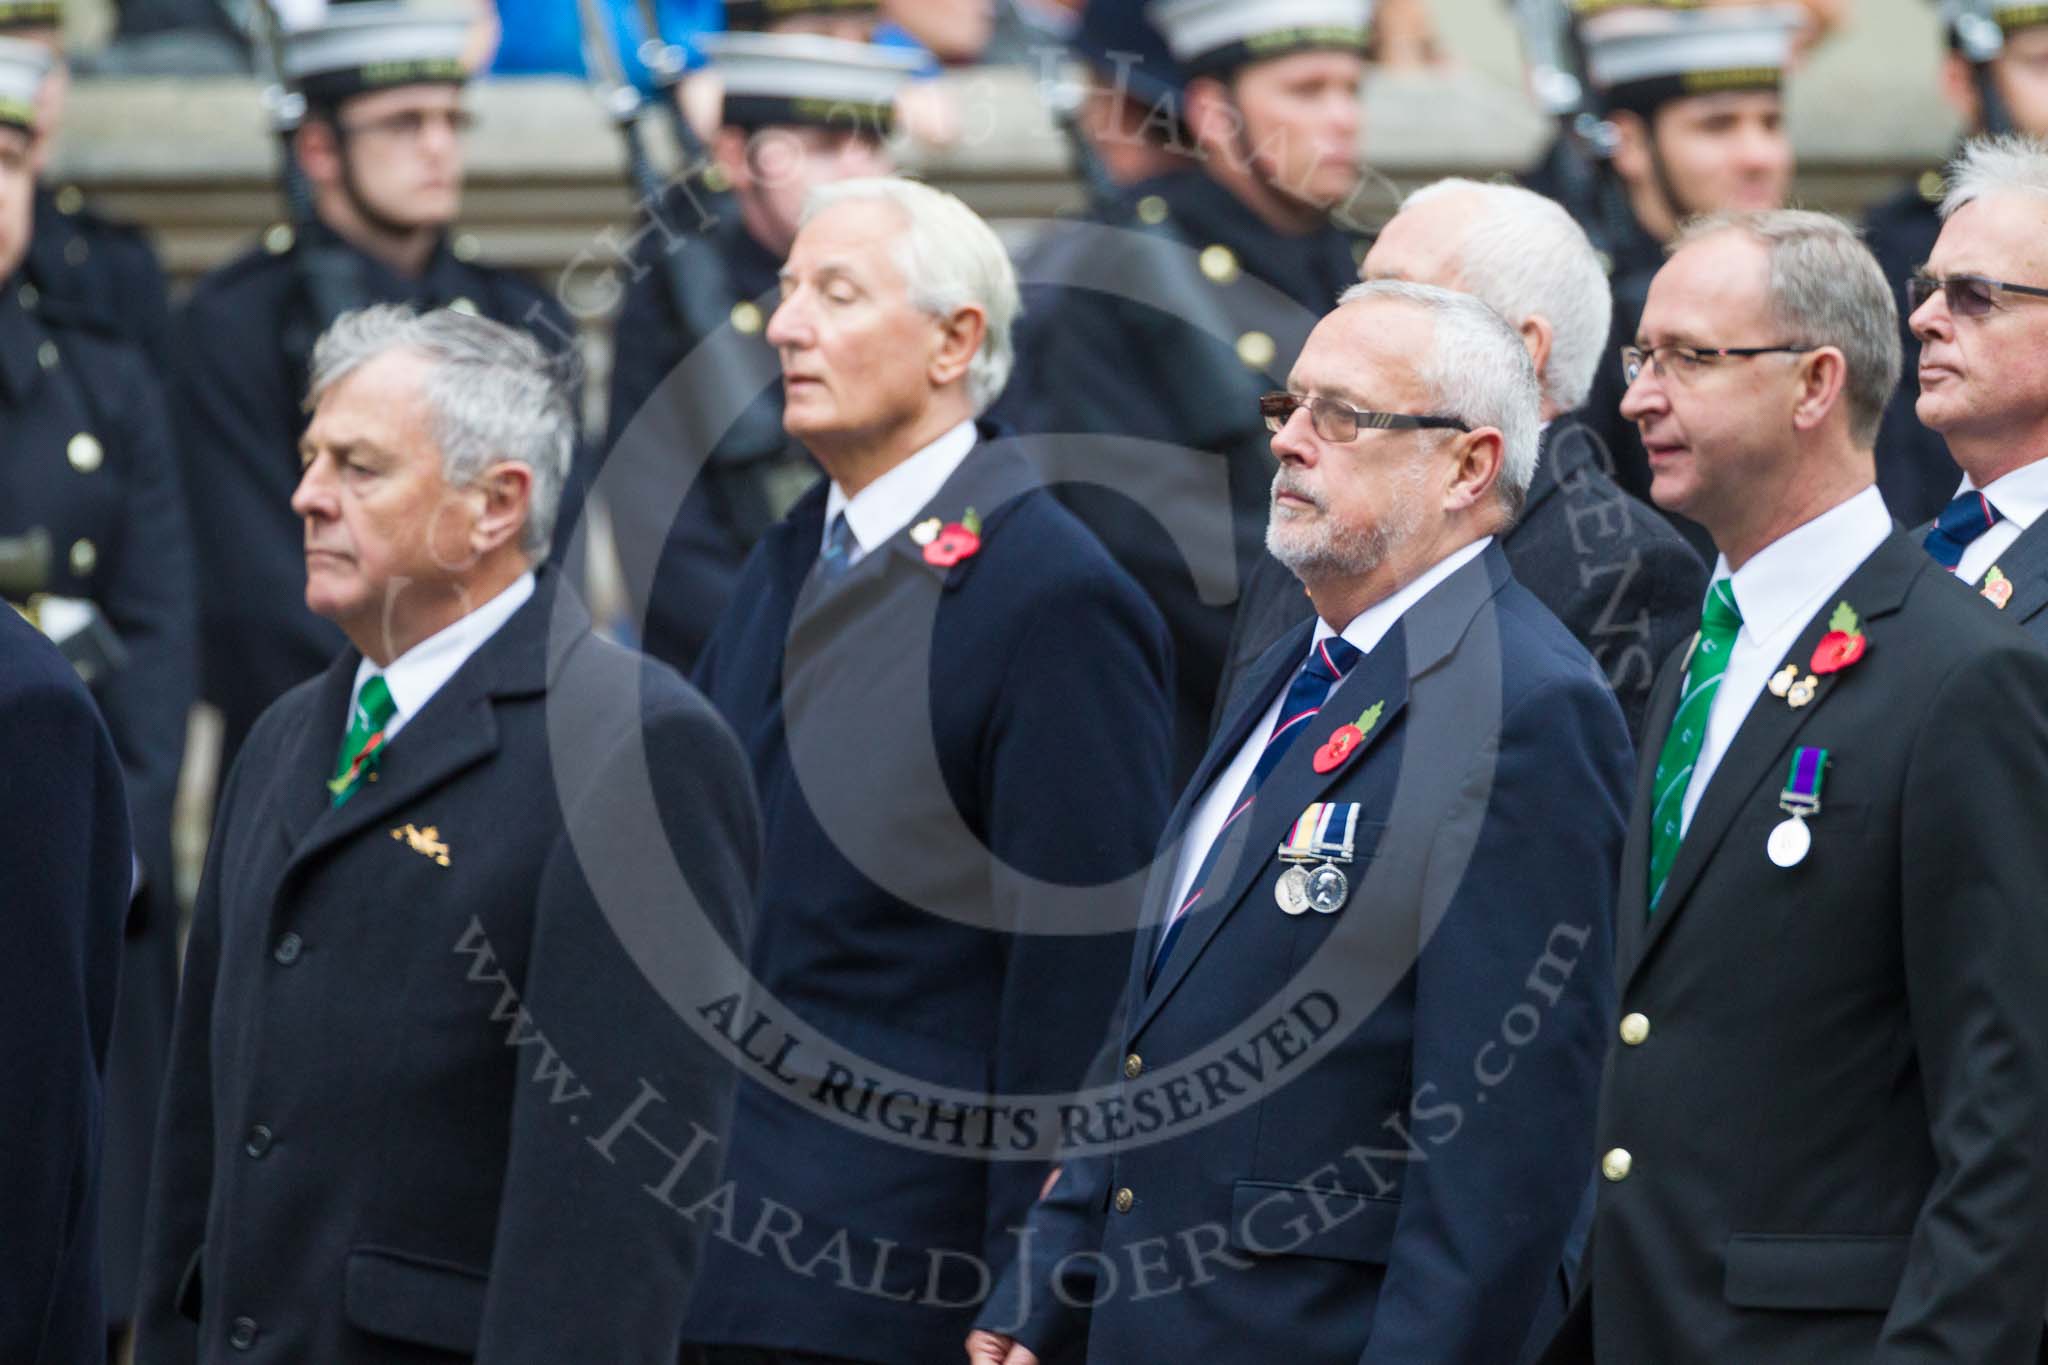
{"x":2020,"y":498}
{"x":1366,"y":630}
{"x":416,"y":675}
{"x":887,"y":505}
{"x":1778,"y":591}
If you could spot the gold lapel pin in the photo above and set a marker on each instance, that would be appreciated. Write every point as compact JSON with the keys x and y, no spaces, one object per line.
{"x":425,"y":842}
{"x":1781,"y":681}
{"x":1801,"y":692}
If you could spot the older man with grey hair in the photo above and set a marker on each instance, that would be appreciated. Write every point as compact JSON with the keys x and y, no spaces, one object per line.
{"x":1981,"y":314}
{"x":1613,"y":569}
{"x":956,"y":706}
{"x":1349,"y":1109}
{"x":405,"y":1006}
{"x":1820,"y":1135}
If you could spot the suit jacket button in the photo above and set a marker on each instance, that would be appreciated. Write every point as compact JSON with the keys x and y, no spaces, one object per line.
{"x":288,"y":948}
{"x":1635,"y":1029}
{"x":258,"y":1143}
{"x":1617,"y":1164}
{"x":242,"y":1333}
{"x":1125,"y":1199}
{"x":1134,"y":1067}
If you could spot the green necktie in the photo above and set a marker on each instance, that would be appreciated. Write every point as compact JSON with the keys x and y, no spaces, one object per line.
{"x":373,"y":711}
{"x":1720,"y":622}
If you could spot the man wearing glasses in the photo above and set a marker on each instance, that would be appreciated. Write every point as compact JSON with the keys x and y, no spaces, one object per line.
{"x":1819,"y":1128}
{"x":1983,"y":379}
{"x":381,"y":151}
{"x":1354,"y":1072}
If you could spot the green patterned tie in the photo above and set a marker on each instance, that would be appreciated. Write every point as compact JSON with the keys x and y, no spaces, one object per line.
{"x":373,"y":711}
{"x":1720,"y":622}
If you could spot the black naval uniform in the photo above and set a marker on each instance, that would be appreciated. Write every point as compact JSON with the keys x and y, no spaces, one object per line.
{"x":1914,"y":470}
{"x":103,"y":271}
{"x":755,"y":473}
{"x":85,"y":454}
{"x":1092,"y":360}
{"x":242,"y":346}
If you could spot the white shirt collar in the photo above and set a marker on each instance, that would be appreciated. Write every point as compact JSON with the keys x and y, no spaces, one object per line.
{"x":416,"y":675}
{"x":888,"y":504}
{"x":2020,"y":497}
{"x":1778,"y":582}
{"x":1370,"y":626}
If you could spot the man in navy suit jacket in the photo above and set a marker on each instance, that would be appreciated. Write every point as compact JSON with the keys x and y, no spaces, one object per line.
{"x":66,"y":869}
{"x":1352,"y":1090}
{"x":957,"y":711}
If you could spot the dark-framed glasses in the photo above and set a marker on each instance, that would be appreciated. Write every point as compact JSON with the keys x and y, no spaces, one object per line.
{"x":1969,"y":296}
{"x":1334,"y":421}
{"x":1683,"y":362}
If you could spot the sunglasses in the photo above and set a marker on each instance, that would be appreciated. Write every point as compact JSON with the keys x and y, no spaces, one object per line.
{"x":1969,"y":296}
{"x":1334,"y":421}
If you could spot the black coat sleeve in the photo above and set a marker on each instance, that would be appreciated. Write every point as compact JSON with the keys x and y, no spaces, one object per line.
{"x":64,"y":866}
{"x":1975,"y":938}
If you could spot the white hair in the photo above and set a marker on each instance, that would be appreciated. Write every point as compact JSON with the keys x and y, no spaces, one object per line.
{"x":1476,"y":371}
{"x":2008,"y":164}
{"x":950,"y":258}
{"x":492,"y":394}
{"x":1523,"y":255}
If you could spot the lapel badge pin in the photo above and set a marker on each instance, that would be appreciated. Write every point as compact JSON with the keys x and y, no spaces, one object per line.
{"x":1326,"y":834}
{"x":953,"y":542}
{"x":1997,"y":588}
{"x":1843,"y":645}
{"x":1781,"y":681}
{"x":426,"y":842}
{"x":1346,"y":739}
{"x":1790,"y":840}
{"x":926,"y":531}
{"x":1802,"y":692}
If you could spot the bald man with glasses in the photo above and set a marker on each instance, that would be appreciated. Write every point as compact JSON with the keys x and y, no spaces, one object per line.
{"x":1980,"y":310}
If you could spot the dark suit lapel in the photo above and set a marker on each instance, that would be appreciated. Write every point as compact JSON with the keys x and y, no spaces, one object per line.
{"x":1269,"y":674}
{"x":2025,"y":563}
{"x":1632,"y":905}
{"x":1757,"y":754}
{"x":458,"y":727}
{"x":1424,"y":637}
{"x":310,"y":755}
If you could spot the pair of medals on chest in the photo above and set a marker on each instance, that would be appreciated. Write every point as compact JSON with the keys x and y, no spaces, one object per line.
{"x":1320,"y":845}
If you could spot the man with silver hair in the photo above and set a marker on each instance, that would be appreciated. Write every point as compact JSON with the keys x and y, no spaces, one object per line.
{"x":1820,"y":1133}
{"x":1620,"y":578}
{"x":404,"y":1007}
{"x":956,"y":705}
{"x":1981,"y":314}
{"x":1356,"y":1064}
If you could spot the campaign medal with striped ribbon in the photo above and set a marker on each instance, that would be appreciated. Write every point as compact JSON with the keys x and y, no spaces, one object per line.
{"x":1325,"y":833}
{"x":1790,"y":841}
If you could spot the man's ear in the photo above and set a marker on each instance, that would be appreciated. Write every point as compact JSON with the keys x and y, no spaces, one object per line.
{"x":1959,"y":89}
{"x":1631,"y":146}
{"x":318,"y":150}
{"x":1212,"y":115}
{"x":1538,"y":338}
{"x":1477,"y":461}
{"x":1823,"y":376}
{"x":960,"y":339}
{"x":728,"y":148}
{"x":506,"y":494}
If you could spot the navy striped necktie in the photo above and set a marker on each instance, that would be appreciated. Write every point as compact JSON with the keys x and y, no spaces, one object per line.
{"x":1969,"y":515}
{"x":1325,"y":667}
